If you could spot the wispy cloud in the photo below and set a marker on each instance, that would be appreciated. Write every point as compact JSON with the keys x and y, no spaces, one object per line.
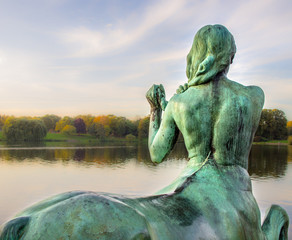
{"x":87,"y":42}
{"x":261,"y":31}
{"x":75,"y":61}
{"x":174,"y":55}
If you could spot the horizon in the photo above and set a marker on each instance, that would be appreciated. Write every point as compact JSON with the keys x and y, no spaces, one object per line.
{"x":77,"y":58}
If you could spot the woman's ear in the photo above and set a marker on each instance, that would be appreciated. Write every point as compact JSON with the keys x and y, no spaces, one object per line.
{"x":205,"y":65}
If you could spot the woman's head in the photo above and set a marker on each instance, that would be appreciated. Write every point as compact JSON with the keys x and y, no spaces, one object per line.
{"x":212,"y":52}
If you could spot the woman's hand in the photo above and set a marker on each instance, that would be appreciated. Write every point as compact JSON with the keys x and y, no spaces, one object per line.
{"x":182,"y":89}
{"x":156,"y":97}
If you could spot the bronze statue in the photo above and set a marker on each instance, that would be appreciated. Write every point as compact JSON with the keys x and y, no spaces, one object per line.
{"x":211,"y":199}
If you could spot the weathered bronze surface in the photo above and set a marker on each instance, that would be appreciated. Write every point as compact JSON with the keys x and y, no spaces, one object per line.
{"x":211,"y":199}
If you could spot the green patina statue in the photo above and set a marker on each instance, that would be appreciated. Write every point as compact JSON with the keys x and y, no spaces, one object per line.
{"x":212,"y":197}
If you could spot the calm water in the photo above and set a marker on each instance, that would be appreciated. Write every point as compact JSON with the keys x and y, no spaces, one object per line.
{"x":31,"y":173}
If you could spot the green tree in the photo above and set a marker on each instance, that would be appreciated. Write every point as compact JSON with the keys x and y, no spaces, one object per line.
{"x":116,"y":126}
{"x":272,"y":125}
{"x":120,"y":129}
{"x":112,"y":123}
{"x":123,"y":127}
{"x":143,"y":127}
{"x":50,"y":121}
{"x":24,"y":129}
{"x":130,"y":137}
{"x":134,"y":129}
{"x":97,"y":129}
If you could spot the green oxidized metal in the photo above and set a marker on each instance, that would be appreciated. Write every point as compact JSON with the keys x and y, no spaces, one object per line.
{"x":211,"y":199}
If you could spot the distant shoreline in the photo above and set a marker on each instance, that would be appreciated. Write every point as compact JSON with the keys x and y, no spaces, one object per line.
{"x":86,"y":138}
{"x":81,"y":138}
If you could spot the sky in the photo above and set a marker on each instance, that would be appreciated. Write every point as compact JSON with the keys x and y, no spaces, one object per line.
{"x":101,"y":56}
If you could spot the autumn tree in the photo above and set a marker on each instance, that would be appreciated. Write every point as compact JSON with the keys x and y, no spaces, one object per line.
{"x":289,"y":128}
{"x":80,"y":125}
{"x":116,"y":126}
{"x":68,"y":130}
{"x":104,"y":121}
{"x":63,"y":122}
{"x":2,"y":120}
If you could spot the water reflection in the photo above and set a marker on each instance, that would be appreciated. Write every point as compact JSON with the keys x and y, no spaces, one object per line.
{"x":264,"y":161}
{"x":98,"y":155}
{"x":289,"y":159}
{"x":268,"y":161}
{"x":35,"y":172}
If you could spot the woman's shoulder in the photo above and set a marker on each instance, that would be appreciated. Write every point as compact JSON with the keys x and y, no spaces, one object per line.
{"x":254,"y":92}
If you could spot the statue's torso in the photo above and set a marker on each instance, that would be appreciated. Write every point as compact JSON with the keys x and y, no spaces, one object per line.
{"x":218,"y":117}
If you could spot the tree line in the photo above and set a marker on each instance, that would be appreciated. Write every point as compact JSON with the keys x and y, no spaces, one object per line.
{"x":36,"y":128}
{"x":273,"y":125}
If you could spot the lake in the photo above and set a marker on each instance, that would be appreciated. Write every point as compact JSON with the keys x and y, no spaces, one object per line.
{"x":30,"y":173}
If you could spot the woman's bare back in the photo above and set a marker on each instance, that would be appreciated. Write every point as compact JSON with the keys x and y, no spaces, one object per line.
{"x":218,"y":117}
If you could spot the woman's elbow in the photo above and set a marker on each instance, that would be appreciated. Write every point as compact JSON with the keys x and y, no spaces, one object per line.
{"x":155,"y":156}
{"x":156,"y":160}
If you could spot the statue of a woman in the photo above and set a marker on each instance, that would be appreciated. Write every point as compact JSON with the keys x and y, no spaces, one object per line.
{"x":216,"y":116}
{"x":211,"y":199}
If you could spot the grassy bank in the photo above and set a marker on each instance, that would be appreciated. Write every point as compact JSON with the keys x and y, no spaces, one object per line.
{"x":86,"y":138}
{"x":76,"y":138}
{"x":272,"y":142}
{"x":82,"y":138}
{"x":59,"y":137}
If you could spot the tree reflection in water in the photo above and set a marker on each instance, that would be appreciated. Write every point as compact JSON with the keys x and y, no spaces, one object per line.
{"x":268,"y":161}
{"x":264,"y":161}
